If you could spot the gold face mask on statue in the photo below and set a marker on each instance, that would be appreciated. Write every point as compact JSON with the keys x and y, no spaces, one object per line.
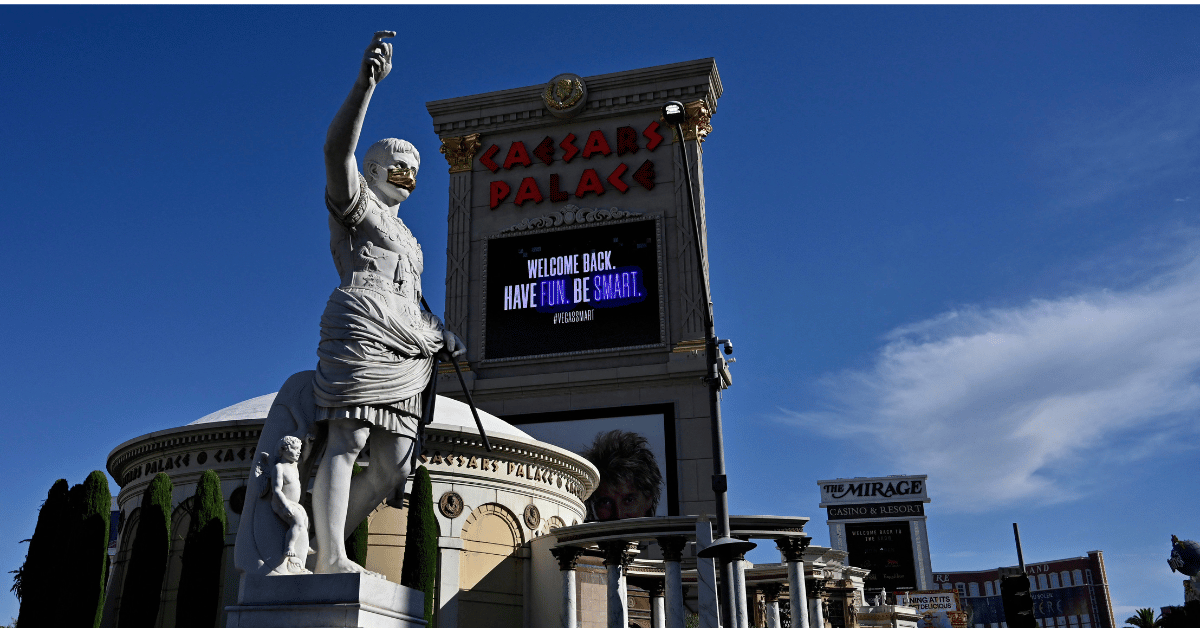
{"x":403,"y":177}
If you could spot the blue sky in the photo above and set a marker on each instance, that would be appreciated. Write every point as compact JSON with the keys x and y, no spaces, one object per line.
{"x":960,"y":241}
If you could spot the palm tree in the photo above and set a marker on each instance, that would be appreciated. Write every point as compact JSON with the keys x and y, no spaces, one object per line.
{"x":1144,"y":619}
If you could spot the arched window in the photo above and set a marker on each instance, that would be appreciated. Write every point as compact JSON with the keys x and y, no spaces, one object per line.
{"x":1054,"y":581}
{"x":129,"y":526}
{"x":974,"y":589}
{"x":987,"y":589}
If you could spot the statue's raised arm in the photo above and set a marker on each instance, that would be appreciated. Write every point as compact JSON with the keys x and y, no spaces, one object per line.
{"x":341,"y":169}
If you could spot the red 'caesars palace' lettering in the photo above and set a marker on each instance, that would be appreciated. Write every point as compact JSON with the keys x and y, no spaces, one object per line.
{"x":590,"y":181}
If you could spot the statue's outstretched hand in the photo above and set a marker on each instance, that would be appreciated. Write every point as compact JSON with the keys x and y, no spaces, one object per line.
{"x":377,"y":60}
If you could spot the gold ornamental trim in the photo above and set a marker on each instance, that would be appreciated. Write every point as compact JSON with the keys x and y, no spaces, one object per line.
{"x":460,"y":151}
{"x":688,"y":346}
{"x":445,"y":368}
{"x":563,"y":93}
{"x":699,"y":120}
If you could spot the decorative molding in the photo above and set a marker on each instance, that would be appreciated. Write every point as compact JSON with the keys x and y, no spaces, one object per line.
{"x":567,"y":557}
{"x":672,"y":547}
{"x":450,"y":505}
{"x":616,"y":553}
{"x":640,"y":90}
{"x":447,"y":368}
{"x":698,"y":124}
{"x":499,"y":511}
{"x":792,"y":548}
{"x":565,"y":96}
{"x":699,"y":120}
{"x":690,"y":346}
{"x":570,"y":215}
{"x":460,"y":151}
{"x":532,"y":517}
{"x":458,"y":257}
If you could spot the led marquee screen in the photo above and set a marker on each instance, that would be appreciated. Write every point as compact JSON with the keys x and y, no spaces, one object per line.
{"x":577,"y":289}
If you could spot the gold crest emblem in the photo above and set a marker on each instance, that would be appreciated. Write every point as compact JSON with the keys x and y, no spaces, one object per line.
{"x":563,"y":93}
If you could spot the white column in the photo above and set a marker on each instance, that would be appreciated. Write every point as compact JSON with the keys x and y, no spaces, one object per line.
{"x":449,"y":553}
{"x":792,"y":550}
{"x":567,"y":557}
{"x":672,"y":549}
{"x":740,"y":610}
{"x":816,"y":614}
{"x":706,"y":579}
{"x":618,"y":593}
{"x":658,"y":609}
{"x":771,"y":598}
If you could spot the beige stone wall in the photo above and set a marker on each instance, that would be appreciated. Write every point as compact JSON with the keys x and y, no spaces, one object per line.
{"x":385,"y":541}
{"x":492,"y":575}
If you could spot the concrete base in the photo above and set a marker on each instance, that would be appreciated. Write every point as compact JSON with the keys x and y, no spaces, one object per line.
{"x":325,"y":601}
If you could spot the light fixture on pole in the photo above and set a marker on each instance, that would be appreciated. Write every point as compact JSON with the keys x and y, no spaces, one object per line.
{"x":724,"y":547}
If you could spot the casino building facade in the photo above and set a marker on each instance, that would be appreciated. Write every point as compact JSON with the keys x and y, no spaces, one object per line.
{"x":499,"y":513}
{"x":1067,"y":593}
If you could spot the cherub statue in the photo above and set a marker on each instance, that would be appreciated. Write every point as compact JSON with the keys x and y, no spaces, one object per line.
{"x":284,"y":487}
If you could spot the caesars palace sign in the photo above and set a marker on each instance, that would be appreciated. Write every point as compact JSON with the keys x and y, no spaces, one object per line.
{"x":608,"y":174}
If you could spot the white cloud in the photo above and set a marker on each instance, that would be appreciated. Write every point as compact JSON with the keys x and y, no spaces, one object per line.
{"x":1019,"y":403}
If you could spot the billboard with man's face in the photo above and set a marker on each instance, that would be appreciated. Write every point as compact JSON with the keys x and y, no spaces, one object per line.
{"x":644,"y":439}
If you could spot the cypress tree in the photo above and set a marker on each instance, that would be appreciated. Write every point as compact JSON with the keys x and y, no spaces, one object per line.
{"x":91,"y":507}
{"x":201,"y":580}
{"x":142,"y":593}
{"x":356,"y":543}
{"x":41,"y":590}
{"x":419,"y":570}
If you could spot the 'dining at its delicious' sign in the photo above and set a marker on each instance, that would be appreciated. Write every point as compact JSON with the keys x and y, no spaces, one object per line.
{"x":584,"y":288}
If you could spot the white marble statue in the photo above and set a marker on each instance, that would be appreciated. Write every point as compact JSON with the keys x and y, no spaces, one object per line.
{"x":375,"y":358}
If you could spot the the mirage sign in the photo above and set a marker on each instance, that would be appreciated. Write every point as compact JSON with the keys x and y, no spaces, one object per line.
{"x":897,"y":488}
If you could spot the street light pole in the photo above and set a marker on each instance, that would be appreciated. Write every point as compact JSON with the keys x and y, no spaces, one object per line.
{"x":723,"y":547}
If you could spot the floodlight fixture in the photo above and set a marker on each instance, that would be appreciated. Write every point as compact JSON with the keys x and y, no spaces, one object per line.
{"x":673,"y":113}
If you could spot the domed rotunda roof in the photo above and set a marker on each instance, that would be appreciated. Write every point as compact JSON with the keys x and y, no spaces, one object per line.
{"x":446,"y":412}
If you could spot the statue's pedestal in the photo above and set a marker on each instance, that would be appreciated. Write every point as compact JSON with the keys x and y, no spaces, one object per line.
{"x":325,"y":601}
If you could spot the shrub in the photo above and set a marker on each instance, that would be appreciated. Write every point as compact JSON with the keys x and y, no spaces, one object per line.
{"x":48,"y":554}
{"x":142,"y":591}
{"x":419,"y":570}
{"x":91,"y":508}
{"x":201,"y":580}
